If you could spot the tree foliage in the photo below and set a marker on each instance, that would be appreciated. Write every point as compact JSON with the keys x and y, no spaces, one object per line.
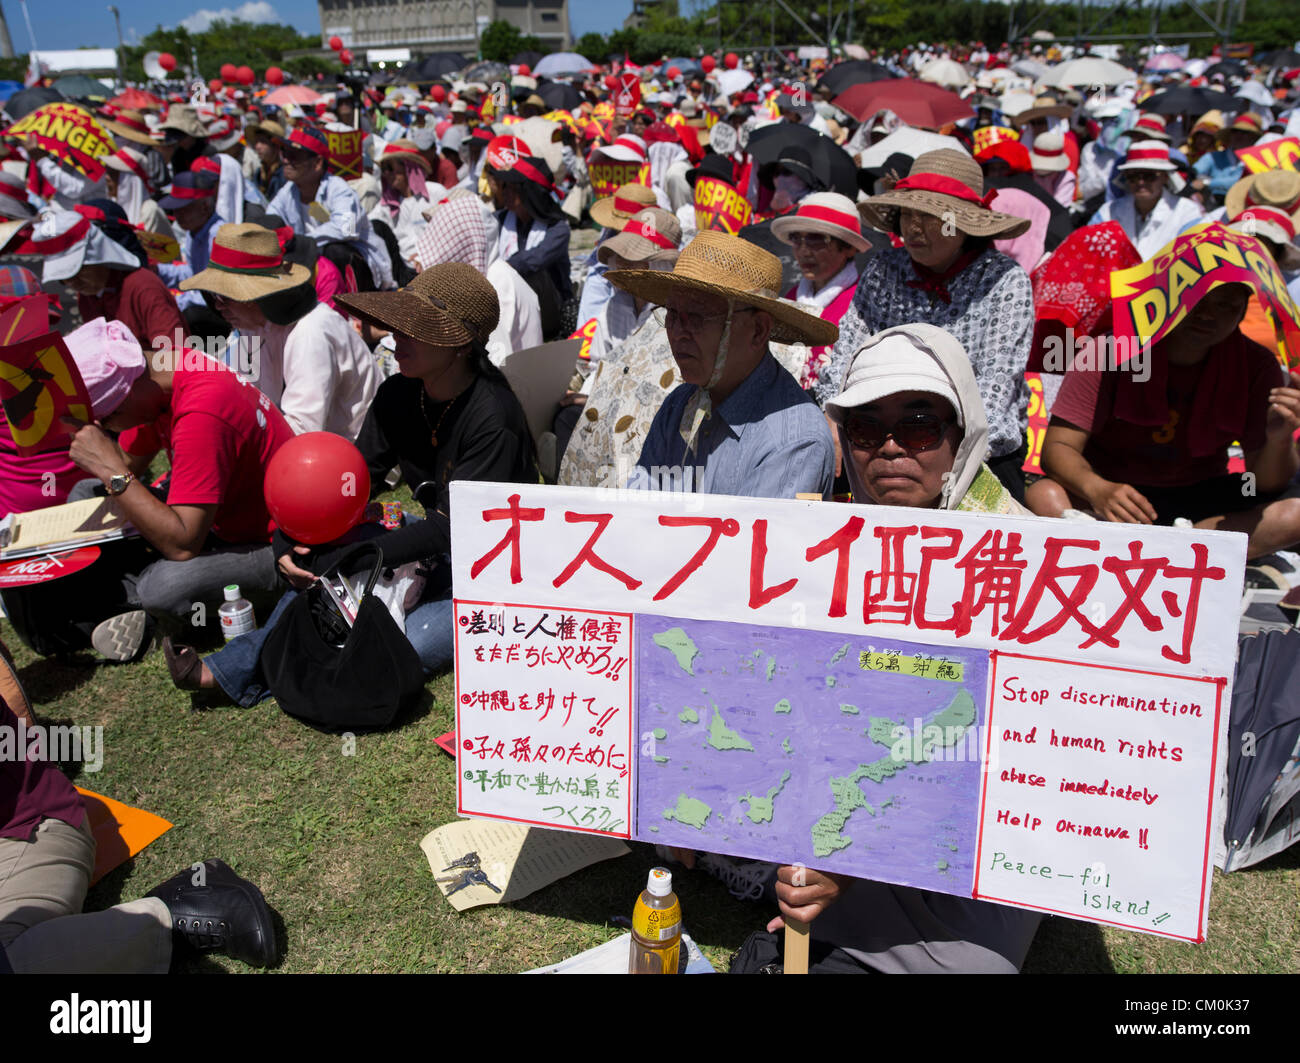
{"x":241,"y":43}
{"x":503,"y":40}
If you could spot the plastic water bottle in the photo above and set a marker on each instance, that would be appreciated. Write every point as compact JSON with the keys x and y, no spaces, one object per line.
{"x":656,"y":927}
{"x":236,"y":614}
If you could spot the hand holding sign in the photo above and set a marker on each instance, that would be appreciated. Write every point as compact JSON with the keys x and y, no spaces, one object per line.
{"x":1284,"y":408}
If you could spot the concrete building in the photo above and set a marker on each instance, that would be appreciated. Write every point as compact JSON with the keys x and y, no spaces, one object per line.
{"x":426,"y":26}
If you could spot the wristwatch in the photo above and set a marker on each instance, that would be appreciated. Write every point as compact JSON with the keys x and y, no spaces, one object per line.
{"x":119,"y":483}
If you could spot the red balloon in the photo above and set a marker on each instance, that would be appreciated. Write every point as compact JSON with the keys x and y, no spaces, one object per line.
{"x":731,"y":60}
{"x":708,"y":63}
{"x":246,"y":75}
{"x":345,"y":57}
{"x":317,"y":487}
{"x":274,"y":75}
{"x":611,"y":83}
{"x":439,"y":93}
{"x":336,"y":43}
{"x":214,"y":86}
{"x":674,"y":72}
{"x":167,"y":61}
{"x":525,"y":69}
{"x":229,"y":72}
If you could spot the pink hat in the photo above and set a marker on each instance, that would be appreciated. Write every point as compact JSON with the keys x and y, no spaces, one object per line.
{"x":109,"y":359}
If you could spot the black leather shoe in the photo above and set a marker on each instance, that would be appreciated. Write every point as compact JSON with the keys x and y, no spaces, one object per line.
{"x":226,"y":914}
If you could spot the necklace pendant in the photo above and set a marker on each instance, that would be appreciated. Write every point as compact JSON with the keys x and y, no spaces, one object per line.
{"x":433,"y":439}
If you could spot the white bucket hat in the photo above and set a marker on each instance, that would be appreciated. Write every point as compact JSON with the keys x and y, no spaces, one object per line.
{"x":824,"y":212}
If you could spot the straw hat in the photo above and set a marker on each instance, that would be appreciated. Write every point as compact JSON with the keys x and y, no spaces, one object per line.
{"x":1048,"y":154}
{"x":942,"y":183}
{"x":1279,"y":189}
{"x":1245,"y":123}
{"x":448,"y":305}
{"x":1149,"y":127}
{"x":613,"y":212}
{"x":1044,"y":107}
{"x":651,"y":235}
{"x":184,"y":119}
{"x":716,"y":263}
{"x":404,"y":150}
{"x":128,"y":160}
{"x":246,"y":263}
{"x":823,"y":212}
{"x":269,"y":126}
{"x":132,"y":126}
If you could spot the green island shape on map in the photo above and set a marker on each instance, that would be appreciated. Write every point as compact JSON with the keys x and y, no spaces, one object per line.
{"x":950,"y":722}
{"x":831,"y":681}
{"x":660,"y":734}
{"x":722,"y":737}
{"x":688,"y":716}
{"x":689,"y":811}
{"x":661,"y":760}
{"x":771,"y":668}
{"x":840,"y":654}
{"x":882,"y":731}
{"x":782,"y":706}
{"x":760,"y":808}
{"x":785,"y":744}
{"x":681,"y":646}
{"x":848,"y":710}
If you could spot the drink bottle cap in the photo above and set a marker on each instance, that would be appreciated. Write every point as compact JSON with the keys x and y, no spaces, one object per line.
{"x":232,"y":592}
{"x":660,"y":882}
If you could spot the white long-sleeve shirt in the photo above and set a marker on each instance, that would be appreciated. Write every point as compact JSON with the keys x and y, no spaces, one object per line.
{"x":1166,"y":220}
{"x":347,"y":222}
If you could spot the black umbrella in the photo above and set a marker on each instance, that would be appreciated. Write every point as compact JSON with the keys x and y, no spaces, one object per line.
{"x":1263,"y":707}
{"x":21,"y":104}
{"x":1188,"y":101}
{"x":433,"y":67}
{"x":559,"y":96}
{"x":82,"y":87}
{"x":487,"y":72}
{"x":830,"y":162}
{"x":687,"y":67}
{"x":1229,"y":68}
{"x":1286,"y":58}
{"x":853,"y":72}
{"x":529,"y":59}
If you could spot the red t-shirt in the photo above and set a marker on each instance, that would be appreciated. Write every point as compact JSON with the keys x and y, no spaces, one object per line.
{"x":445,"y":175}
{"x":220,"y":435}
{"x":1160,"y":455}
{"x":142,"y":303}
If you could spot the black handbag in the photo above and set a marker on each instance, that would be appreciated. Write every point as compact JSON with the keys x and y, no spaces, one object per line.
{"x":362,"y":684}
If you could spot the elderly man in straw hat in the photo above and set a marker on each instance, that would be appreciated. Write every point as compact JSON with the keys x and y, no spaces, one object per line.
{"x":739,"y":421}
{"x":1150,"y":214}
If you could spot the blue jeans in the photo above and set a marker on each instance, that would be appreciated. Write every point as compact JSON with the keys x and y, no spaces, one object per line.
{"x":237,"y":667}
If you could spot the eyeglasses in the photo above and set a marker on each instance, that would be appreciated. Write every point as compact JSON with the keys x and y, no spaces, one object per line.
{"x":918,"y":431}
{"x":692,"y":321}
{"x":812,"y":241}
{"x":1142,"y":177}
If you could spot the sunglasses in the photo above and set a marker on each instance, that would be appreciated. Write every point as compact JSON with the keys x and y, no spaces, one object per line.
{"x":812,"y":241}
{"x":917,"y":431}
{"x":669,"y":317}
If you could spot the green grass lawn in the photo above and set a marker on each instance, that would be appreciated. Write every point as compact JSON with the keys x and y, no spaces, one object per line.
{"x":333,"y":841}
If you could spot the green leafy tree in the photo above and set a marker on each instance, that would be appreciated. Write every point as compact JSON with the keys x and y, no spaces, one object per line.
{"x":593,"y":46}
{"x":501,"y":41}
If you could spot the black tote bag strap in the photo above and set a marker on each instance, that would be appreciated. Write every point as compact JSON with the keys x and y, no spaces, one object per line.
{"x":357,"y":551}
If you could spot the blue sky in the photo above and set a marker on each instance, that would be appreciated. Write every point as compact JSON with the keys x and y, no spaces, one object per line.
{"x":74,"y":23}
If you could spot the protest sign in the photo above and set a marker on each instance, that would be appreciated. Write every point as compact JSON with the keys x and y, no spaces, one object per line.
{"x":986,"y":136}
{"x":26,"y":571}
{"x":585,"y":335}
{"x":608,"y":175}
{"x":991,"y":707}
{"x":1275,"y":155}
{"x":345,"y":153}
{"x":628,"y":95}
{"x":1153,"y":298}
{"x":69,"y":133}
{"x":39,"y":384}
{"x":719,"y":206}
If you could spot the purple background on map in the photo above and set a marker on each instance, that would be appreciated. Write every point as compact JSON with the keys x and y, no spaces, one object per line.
{"x":933,"y":814}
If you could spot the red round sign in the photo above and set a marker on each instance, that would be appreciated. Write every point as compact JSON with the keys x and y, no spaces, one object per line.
{"x":45,"y":567}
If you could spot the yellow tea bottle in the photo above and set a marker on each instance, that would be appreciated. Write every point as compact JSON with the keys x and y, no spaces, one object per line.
{"x":656,"y":927}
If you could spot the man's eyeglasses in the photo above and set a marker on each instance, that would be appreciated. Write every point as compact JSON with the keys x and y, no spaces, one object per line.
{"x":692,"y":321}
{"x":812,"y":241}
{"x":1142,"y":177}
{"x":917,"y":431}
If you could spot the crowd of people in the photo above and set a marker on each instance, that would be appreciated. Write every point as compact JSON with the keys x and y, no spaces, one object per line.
{"x":867,"y":341}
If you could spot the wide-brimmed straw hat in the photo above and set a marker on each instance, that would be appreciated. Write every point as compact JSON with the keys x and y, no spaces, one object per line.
{"x":404,"y":150}
{"x":448,"y":305}
{"x":1279,"y":189}
{"x":1244,"y":123}
{"x":650,"y":235}
{"x":1149,"y":127}
{"x":247,"y":263}
{"x":1044,"y":107}
{"x":184,"y":119}
{"x":131,"y":126}
{"x":943,"y":183}
{"x":716,"y":263}
{"x":823,"y":212}
{"x":613,"y":212}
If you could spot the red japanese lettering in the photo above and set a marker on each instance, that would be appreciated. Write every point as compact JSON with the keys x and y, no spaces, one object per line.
{"x":718,"y":527}
{"x":839,"y":542}
{"x":511,"y":538}
{"x":759,"y":595}
{"x":588,"y":554}
{"x":1048,"y":578}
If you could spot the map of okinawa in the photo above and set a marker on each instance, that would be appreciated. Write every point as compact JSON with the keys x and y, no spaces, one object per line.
{"x":851,"y":754}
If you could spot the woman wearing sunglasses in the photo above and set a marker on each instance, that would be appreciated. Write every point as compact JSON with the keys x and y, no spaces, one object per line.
{"x":826,"y":235}
{"x":912,"y":425}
